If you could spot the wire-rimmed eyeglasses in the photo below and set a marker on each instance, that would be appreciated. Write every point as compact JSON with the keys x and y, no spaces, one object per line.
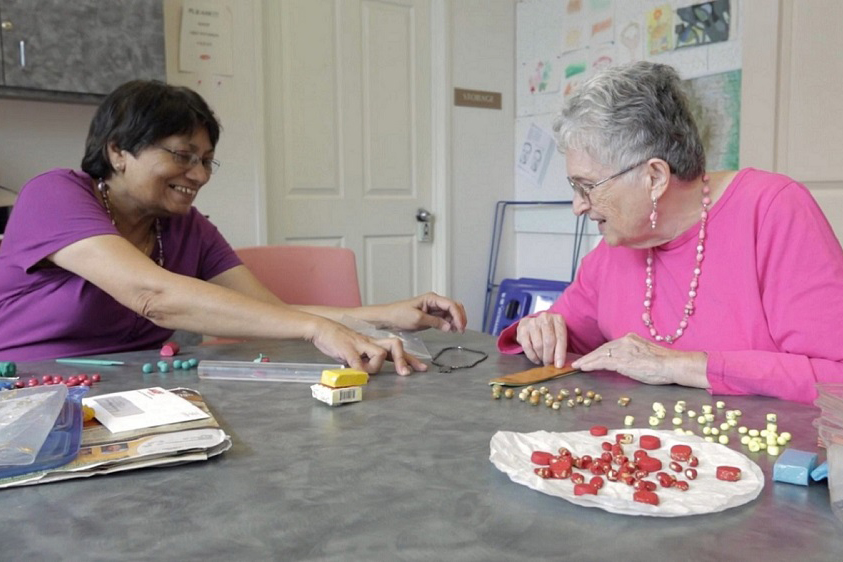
{"x":458,"y":357}
{"x":187,"y":159}
{"x":584,"y":189}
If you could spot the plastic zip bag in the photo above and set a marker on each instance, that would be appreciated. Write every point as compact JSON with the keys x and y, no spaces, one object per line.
{"x":26,"y":417}
{"x":411,"y":343}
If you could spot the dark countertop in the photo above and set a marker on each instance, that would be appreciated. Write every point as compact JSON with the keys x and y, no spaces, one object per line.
{"x":402,"y":475}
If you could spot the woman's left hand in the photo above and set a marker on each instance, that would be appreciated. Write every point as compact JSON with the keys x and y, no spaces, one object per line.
{"x":647,"y":362}
{"x":425,"y":311}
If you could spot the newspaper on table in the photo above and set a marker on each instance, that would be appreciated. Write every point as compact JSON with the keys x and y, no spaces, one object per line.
{"x":103,"y":452}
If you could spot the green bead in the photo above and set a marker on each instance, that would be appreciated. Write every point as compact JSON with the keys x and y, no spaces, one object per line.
{"x":147,"y":368}
{"x":8,"y":369}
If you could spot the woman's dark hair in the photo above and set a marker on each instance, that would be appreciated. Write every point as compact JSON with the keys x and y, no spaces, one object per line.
{"x":139,"y":114}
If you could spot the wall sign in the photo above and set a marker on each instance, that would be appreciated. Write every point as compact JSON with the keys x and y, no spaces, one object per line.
{"x":477,"y":98}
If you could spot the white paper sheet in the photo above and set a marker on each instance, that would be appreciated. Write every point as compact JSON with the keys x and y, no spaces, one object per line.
{"x":510,"y":453}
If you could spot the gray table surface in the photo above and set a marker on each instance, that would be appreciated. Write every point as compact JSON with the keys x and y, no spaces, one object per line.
{"x":402,"y":475}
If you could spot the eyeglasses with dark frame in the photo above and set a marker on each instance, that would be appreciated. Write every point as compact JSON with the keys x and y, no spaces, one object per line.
{"x":187,"y":159}
{"x":584,"y":189}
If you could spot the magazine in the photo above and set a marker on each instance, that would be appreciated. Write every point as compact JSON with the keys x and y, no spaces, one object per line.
{"x":104,"y":452}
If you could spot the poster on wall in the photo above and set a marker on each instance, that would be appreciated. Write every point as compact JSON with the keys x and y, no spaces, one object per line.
{"x":702,"y":24}
{"x":535,"y":154}
{"x":205,"y":38}
{"x":716,"y":107}
{"x":660,"y":30}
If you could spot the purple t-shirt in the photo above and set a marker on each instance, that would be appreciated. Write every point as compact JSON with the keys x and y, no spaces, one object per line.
{"x":48,"y":312}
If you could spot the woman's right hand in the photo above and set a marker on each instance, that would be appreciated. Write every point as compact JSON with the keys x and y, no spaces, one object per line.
{"x":361,"y":352}
{"x":544,"y":338}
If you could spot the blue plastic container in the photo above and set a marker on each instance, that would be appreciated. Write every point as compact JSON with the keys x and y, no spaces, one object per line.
{"x":521,"y":297}
{"x":62,"y":443}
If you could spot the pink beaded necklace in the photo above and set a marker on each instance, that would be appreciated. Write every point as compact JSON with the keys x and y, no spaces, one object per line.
{"x":647,"y":317}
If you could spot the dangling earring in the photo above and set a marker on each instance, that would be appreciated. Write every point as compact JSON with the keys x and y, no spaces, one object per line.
{"x":654,"y":215}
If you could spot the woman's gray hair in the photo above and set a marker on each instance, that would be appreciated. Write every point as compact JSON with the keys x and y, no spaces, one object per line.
{"x":627,"y":114}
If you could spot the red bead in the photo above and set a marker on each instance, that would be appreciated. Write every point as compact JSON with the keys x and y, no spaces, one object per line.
{"x":728,"y":473}
{"x":680,"y":452}
{"x":541,"y":457}
{"x":649,"y":442}
{"x":599,"y":430}
{"x":583,"y":489}
{"x":650,"y":464}
{"x":645,"y":496}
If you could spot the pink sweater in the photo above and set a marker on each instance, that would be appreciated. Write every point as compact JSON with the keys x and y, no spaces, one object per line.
{"x":769,"y":308}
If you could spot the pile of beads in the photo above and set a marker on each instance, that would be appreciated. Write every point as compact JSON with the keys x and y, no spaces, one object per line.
{"x":72,"y":380}
{"x":755,"y":440}
{"x":614,"y":465}
{"x":555,"y":401}
{"x":768,"y":439}
{"x":178,"y":364}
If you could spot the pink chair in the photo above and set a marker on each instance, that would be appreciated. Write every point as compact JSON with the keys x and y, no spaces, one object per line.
{"x":306,"y":275}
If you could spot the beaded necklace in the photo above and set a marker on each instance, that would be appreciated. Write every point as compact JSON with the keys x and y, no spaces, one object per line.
{"x":647,"y":317}
{"x":103,"y":189}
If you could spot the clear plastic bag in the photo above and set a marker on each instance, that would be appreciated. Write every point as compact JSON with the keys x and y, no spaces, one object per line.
{"x":26,"y":417}
{"x":412,"y":344}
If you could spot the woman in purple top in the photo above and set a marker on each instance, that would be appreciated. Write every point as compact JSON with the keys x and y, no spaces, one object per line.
{"x":729,"y":281}
{"x":115,"y":257}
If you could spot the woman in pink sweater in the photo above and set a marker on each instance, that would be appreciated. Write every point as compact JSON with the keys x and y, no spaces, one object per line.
{"x":728,"y":281}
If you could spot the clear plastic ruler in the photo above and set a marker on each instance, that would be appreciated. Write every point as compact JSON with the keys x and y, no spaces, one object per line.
{"x":251,"y":371}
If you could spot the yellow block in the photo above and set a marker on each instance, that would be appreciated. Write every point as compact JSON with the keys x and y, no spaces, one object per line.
{"x":341,"y":378}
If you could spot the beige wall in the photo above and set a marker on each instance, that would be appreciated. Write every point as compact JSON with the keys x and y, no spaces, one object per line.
{"x":482,"y":164}
{"x":37,"y":136}
{"x":234,"y":198}
{"x":793,"y":75}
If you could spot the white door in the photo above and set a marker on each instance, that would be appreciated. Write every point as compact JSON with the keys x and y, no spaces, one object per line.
{"x":349,"y":135}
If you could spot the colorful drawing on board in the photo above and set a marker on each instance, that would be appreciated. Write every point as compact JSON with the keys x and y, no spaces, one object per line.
{"x":659,"y":32}
{"x":602,"y":30}
{"x":576,"y":68}
{"x":542,"y":79}
{"x":603,"y":56}
{"x":573,"y":7}
{"x":600,"y":5}
{"x":630,"y":38}
{"x":572,"y":38}
{"x":702,"y":24}
{"x":716,"y":106}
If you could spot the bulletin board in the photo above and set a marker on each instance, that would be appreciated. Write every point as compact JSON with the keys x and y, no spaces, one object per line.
{"x":561,"y":43}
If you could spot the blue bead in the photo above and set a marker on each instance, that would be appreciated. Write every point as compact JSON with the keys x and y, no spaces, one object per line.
{"x":147,"y":368}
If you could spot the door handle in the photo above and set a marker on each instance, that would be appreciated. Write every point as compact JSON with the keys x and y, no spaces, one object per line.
{"x":424,"y":225}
